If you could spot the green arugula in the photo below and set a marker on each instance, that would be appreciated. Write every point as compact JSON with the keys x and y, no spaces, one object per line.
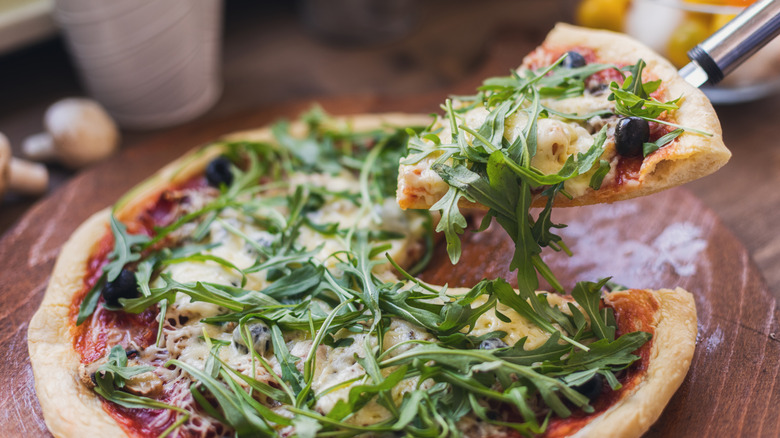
{"x":111,"y":377}
{"x":338,"y":300}
{"x":127,"y":248}
{"x":649,"y":148}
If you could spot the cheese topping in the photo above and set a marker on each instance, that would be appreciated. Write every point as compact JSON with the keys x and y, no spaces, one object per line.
{"x":557,"y":139}
{"x":337,"y":369}
{"x":287,"y":298}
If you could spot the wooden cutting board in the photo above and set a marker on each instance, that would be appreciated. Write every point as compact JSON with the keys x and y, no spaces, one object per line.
{"x":665,"y":240}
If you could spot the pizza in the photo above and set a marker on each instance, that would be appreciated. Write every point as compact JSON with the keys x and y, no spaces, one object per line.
{"x":265,"y":285}
{"x":612,"y":120}
{"x":262,"y":240}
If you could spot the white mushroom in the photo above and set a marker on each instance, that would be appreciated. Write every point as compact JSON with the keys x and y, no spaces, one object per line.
{"x":20,"y":176}
{"x":79,"y":132}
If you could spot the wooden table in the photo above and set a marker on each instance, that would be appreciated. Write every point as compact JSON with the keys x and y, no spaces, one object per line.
{"x":434,"y":58}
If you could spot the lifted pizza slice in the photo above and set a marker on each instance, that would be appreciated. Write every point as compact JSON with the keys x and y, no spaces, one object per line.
{"x":589,"y":117}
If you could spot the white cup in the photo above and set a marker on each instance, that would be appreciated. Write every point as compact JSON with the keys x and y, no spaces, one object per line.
{"x":150,"y":63}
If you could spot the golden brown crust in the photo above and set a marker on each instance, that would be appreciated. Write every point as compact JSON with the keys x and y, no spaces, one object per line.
{"x":670,"y":357}
{"x":690,"y":157}
{"x":69,"y":407}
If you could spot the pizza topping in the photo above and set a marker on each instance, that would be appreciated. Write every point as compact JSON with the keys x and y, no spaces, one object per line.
{"x":573,"y":60}
{"x":259,"y":336}
{"x":290,"y":308}
{"x":492,"y":344}
{"x":631,"y":134}
{"x":145,"y":385}
{"x":87,"y":372}
{"x":218,"y":172}
{"x":124,"y":286}
{"x":592,"y":387}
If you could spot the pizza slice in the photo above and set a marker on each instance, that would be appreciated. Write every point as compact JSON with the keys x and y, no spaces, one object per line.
{"x":593,"y":115}
{"x":262,"y":286}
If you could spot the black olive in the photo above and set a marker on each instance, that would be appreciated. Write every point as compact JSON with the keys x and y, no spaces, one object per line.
{"x":573,"y":60}
{"x":592,"y":388}
{"x":261,"y":338}
{"x":631,"y":133}
{"x":598,"y":89}
{"x":131,"y":353}
{"x":218,"y":172}
{"x":492,"y":344}
{"x":124,"y":286}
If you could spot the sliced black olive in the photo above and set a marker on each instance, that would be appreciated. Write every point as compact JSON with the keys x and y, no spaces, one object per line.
{"x":124,"y":286}
{"x":492,"y":344}
{"x":573,"y":60}
{"x":261,"y":338}
{"x":631,"y":133}
{"x":592,"y":388}
{"x":598,"y":89}
{"x":131,"y":353}
{"x":218,"y":172}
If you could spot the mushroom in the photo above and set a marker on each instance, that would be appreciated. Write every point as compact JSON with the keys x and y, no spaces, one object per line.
{"x":18,"y":175}
{"x":79,"y":132}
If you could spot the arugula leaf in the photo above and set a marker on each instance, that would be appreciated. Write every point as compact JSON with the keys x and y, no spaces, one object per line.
{"x":452,"y":221}
{"x":114,"y":374}
{"x":551,"y":350}
{"x":507,"y":296}
{"x":608,"y":353}
{"x":599,"y":174}
{"x":360,"y":395}
{"x":238,"y":413}
{"x":588,"y":296}
{"x":89,"y":304}
{"x":648,"y":148}
{"x":287,"y":361}
{"x":126,"y":249}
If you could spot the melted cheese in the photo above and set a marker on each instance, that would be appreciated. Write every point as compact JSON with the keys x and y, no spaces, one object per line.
{"x":557,"y":140}
{"x":183,"y":332}
{"x":336,"y":369}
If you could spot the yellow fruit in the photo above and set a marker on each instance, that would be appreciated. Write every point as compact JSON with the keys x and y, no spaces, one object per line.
{"x":708,"y":2}
{"x":719,"y":20}
{"x":690,"y":32}
{"x":602,"y":14}
{"x":740,"y":2}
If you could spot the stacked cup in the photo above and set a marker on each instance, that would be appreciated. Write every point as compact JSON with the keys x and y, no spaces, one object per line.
{"x":151,"y":63}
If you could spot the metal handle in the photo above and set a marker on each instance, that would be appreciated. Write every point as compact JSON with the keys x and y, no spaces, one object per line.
{"x":738,"y":40}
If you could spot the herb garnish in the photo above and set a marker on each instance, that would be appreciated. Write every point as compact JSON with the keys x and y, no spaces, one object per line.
{"x":344,"y":297}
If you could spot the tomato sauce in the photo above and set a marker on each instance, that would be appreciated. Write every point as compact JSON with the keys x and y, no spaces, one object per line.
{"x":632,"y":313}
{"x":91,"y":337}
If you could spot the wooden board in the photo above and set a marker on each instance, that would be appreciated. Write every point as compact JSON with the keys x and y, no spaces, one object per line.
{"x":664,"y":240}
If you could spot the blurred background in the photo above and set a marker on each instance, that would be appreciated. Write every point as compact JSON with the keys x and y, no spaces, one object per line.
{"x":274,"y":51}
{"x":155,"y":65}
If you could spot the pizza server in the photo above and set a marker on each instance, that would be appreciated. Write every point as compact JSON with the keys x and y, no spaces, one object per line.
{"x":735,"y":42}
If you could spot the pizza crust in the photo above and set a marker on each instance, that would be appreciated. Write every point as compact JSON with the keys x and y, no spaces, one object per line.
{"x":674,"y":341}
{"x":69,"y":407}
